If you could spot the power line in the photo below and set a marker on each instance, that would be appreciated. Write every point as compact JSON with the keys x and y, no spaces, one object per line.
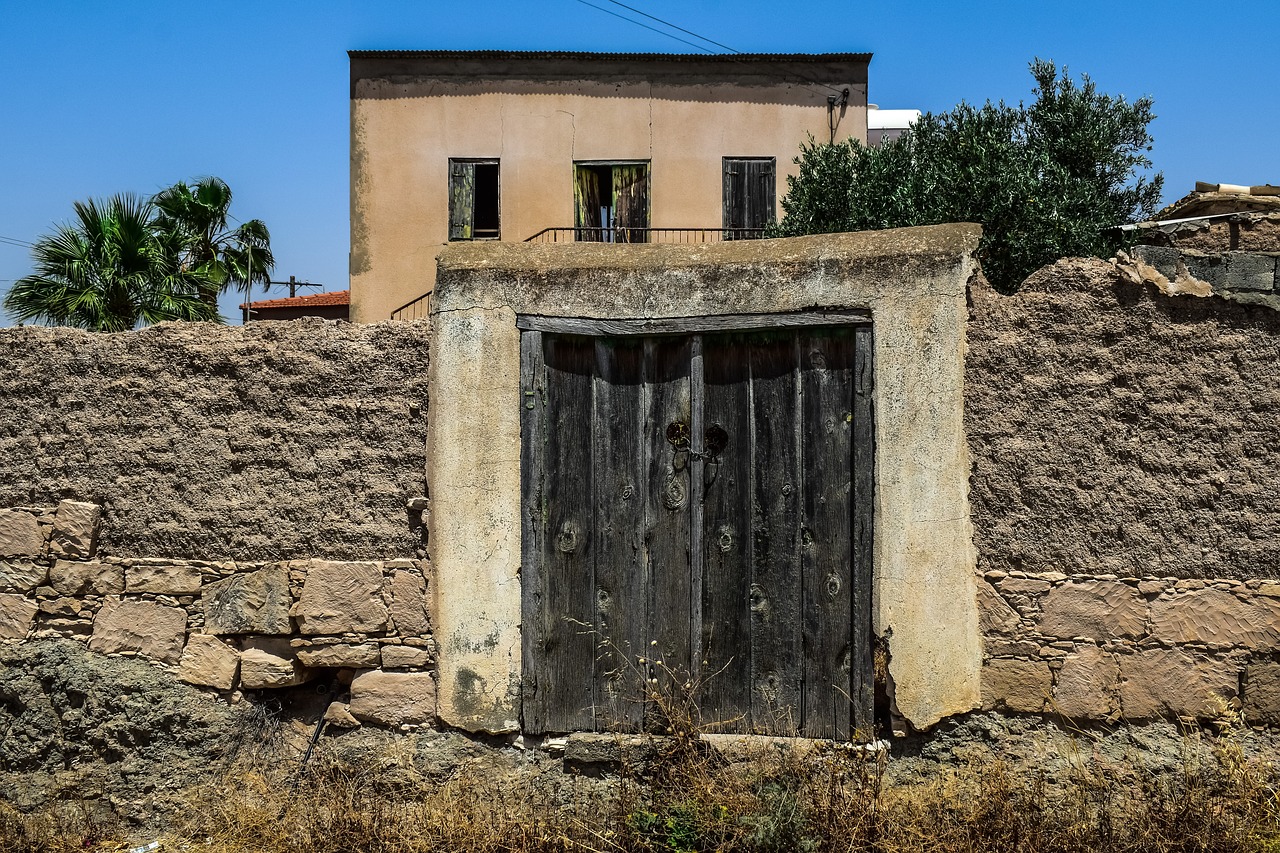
{"x":646,"y":26}
{"x":666,"y":23}
{"x":14,"y":241}
{"x":674,"y":27}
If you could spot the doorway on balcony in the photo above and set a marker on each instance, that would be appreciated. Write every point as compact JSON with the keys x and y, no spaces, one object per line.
{"x":611,"y":202}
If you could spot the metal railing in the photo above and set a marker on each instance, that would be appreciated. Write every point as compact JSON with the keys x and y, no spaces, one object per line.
{"x":413,"y":310}
{"x":644,"y":235}
{"x":418,"y":308}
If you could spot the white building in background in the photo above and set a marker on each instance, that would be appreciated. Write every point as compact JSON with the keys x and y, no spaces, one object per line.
{"x":883,"y":125}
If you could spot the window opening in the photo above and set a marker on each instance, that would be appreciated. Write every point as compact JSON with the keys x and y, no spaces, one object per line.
{"x":611,"y":202}
{"x":474,"y":200}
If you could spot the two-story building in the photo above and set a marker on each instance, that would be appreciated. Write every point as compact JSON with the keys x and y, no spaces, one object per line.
{"x":549,"y":146}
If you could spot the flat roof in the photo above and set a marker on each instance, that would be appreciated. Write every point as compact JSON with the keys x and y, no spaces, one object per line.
{"x":748,"y":68}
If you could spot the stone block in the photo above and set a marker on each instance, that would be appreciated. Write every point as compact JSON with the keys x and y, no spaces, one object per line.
{"x":1163,"y":258}
{"x":249,"y":603}
{"x":1016,"y":685}
{"x":1213,"y":269}
{"x":393,"y":698}
{"x":409,"y":604}
{"x":1086,"y":685}
{"x":1249,"y":272}
{"x":405,"y":657}
{"x":339,"y":598}
{"x":175,"y":579}
{"x":209,"y":662}
{"x":1213,"y":616}
{"x":72,"y":577}
{"x":16,"y":616}
{"x":268,"y":662}
{"x":362,"y":656}
{"x":1024,"y":586}
{"x":338,"y":715}
{"x":995,"y":616}
{"x":1262,"y":693}
{"x":75,"y":530}
{"x":1156,"y":683}
{"x":20,"y":534}
{"x":22,"y":575}
{"x":152,"y":630}
{"x":1099,"y":610}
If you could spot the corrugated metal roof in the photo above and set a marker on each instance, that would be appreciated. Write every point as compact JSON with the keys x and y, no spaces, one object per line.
{"x":581,"y":55}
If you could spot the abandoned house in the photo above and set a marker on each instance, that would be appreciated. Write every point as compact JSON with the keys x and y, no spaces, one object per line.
{"x":451,"y":146}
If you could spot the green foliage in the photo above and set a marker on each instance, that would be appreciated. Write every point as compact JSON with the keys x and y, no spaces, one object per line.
{"x":1045,"y":181}
{"x":196,"y":217}
{"x":126,"y":261}
{"x":110,"y":271}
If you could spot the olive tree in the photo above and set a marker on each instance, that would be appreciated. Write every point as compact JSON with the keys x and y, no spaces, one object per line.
{"x":1045,"y":181}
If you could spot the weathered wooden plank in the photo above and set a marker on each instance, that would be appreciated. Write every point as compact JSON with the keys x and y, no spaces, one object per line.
{"x":725,"y":677}
{"x":688,"y":325}
{"x":566,"y":663}
{"x":668,"y":512}
{"x":776,"y":652}
{"x":619,"y":412}
{"x":862,"y":677}
{"x":699,"y":450}
{"x":533,"y":436}
{"x":826,"y":556}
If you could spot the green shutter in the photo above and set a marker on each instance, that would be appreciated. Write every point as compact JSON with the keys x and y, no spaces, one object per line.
{"x":462,"y":199}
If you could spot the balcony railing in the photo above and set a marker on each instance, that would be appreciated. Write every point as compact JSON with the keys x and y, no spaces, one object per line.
{"x":644,"y":235}
{"x":421,"y":306}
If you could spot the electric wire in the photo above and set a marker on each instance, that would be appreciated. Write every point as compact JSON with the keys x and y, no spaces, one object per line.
{"x":674,"y":26}
{"x":14,"y":241}
{"x":647,"y":27}
{"x":666,"y":23}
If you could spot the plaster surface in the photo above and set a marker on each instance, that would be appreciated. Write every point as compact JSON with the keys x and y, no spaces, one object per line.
{"x":410,"y":115}
{"x":912,"y":281}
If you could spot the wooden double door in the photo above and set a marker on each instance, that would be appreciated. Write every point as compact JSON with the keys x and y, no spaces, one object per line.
{"x":697,"y":510}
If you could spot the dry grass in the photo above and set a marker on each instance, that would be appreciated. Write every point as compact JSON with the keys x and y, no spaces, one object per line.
{"x":692,"y":800}
{"x":683,"y":796}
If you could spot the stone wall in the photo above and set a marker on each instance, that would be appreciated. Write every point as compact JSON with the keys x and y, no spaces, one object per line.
{"x":280,"y":440}
{"x":231,"y":626}
{"x":1134,"y":648}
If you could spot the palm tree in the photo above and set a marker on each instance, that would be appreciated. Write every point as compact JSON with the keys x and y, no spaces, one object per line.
{"x":196,"y":218}
{"x":111,"y":271}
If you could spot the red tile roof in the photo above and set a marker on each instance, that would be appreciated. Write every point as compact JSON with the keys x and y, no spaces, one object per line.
{"x":312,"y":300}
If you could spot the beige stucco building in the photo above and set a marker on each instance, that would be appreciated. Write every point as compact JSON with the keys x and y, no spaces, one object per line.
{"x":453,"y":146}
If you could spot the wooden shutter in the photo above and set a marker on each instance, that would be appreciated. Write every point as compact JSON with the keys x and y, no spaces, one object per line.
{"x":750,"y":194}
{"x":462,"y":197}
{"x":586,"y":204}
{"x":704,"y":502}
{"x":631,"y":202}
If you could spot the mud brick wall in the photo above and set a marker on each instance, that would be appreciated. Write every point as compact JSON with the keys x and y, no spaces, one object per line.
{"x":1115,"y":430}
{"x":1126,"y":450}
{"x":274,"y":441}
{"x":1243,"y":232}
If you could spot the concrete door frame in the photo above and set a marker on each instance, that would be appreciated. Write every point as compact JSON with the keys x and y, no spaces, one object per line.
{"x":912,"y":281}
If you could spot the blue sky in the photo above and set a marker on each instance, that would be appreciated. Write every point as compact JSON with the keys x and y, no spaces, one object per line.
{"x":101,"y":97}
